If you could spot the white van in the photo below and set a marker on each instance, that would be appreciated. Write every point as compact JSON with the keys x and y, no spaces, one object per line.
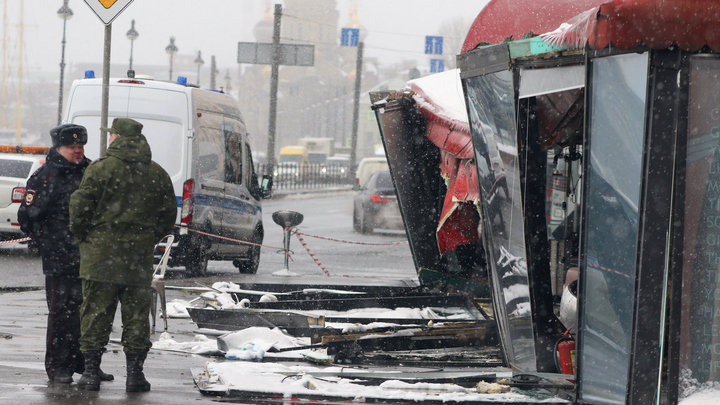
{"x":367,"y":167}
{"x":199,"y":138}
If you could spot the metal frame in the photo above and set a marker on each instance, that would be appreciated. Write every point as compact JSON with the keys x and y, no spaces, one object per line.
{"x":654,"y":227}
{"x":536,"y":241}
{"x":495,"y":59}
{"x":671,"y":360}
{"x":646,"y":167}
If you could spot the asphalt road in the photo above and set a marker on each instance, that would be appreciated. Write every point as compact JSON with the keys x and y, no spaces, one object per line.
{"x":24,"y":313}
{"x":326,"y":215}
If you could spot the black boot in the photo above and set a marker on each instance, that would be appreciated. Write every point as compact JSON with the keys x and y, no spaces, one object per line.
{"x":105,"y":376}
{"x":90,"y":379}
{"x":136,"y":381}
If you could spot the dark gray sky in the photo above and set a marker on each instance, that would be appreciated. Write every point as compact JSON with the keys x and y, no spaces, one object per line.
{"x":396,"y":29}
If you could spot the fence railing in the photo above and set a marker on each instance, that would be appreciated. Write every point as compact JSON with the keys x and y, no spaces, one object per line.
{"x":293,"y":176}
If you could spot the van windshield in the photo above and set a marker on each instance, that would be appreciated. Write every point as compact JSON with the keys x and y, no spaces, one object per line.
{"x":165,"y":139}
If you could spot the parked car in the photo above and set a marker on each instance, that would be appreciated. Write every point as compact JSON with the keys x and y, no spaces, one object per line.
{"x":15,"y":168}
{"x":376,"y":205}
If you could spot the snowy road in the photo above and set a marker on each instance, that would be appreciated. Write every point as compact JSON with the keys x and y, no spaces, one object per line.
{"x":325,"y":215}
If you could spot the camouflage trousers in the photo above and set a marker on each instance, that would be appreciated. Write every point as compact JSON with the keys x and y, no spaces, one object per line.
{"x":100,"y":301}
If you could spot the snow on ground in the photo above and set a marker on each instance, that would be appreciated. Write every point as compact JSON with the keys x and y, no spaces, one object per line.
{"x":300,"y":379}
{"x":200,"y":345}
{"x":255,"y":344}
{"x":705,"y":397}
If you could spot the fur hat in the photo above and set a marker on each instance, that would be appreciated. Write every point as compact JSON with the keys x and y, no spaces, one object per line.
{"x":124,"y":126}
{"x":68,"y":134}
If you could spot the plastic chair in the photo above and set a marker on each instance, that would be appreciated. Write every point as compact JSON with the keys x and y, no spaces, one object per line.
{"x":158,"y":281}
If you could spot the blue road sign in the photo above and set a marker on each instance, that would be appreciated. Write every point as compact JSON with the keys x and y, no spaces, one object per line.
{"x":349,"y":37}
{"x":437,"y":65}
{"x":433,"y":45}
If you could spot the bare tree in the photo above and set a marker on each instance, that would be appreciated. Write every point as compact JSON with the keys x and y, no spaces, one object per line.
{"x":453,"y":33}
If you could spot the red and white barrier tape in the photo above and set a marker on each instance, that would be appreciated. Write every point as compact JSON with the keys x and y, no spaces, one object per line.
{"x":402,"y":242}
{"x":15,"y":240}
{"x":230,"y":239}
{"x":302,"y":242}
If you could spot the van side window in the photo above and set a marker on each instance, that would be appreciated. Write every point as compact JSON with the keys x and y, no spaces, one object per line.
{"x":251,"y":176}
{"x":250,"y":173}
{"x":211,"y":159}
{"x":233,"y":157}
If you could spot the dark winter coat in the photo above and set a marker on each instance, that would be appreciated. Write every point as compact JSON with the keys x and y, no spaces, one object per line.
{"x":43,"y":215}
{"x":124,"y":206}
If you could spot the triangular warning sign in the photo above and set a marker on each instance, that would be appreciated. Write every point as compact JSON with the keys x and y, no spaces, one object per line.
{"x":107,"y":10}
{"x":107,"y":3}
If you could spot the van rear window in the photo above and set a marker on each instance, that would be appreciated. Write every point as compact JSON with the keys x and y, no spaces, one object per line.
{"x":15,"y":168}
{"x":165,"y":138}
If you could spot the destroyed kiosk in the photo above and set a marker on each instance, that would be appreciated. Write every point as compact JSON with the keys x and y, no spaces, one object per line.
{"x":589,"y":177}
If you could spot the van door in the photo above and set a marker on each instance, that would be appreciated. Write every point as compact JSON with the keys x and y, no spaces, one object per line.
{"x":210,"y":185}
{"x":240,"y":208}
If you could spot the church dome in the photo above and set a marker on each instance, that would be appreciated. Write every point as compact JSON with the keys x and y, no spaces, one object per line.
{"x":264,"y":28}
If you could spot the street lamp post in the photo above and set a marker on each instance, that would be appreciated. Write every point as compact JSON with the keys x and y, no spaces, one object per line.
{"x":227,"y":81}
{"x":65,"y":13}
{"x":132,"y":36}
{"x":171,"y":50}
{"x":199,"y":62}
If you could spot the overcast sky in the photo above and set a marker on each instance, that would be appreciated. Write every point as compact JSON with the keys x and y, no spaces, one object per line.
{"x":396,"y":29}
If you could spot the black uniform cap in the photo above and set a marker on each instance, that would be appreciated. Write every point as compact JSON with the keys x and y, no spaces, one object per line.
{"x":68,"y":134}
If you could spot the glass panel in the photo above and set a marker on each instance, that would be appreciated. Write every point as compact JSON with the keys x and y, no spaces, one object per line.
{"x":492,"y":117}
{"x":233,"y":157}
{"x":165,"y":138}
{"x":211,"y":140}
{"x":700,"y":321}
{"x":535,"y":82}
{"x":617,"y":101}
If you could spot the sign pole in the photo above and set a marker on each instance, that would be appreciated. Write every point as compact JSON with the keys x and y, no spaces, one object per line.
{"x":356,"y":110}
{"x":105,"y":89}
{"x":106,"y":11}
{"x":273,"y":89}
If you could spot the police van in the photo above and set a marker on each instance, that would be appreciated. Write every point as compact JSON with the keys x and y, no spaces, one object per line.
{"x":199,"y":138}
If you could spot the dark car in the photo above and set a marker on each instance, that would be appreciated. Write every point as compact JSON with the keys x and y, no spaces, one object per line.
{"x":376,"y":206}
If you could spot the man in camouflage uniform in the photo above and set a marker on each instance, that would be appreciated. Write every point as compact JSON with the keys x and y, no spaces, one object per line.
{"x":123,"y":207}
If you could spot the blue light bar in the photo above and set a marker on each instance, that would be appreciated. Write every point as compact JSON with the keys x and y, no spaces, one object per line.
{"x":182,"y":80}
{"x":89,"y":74}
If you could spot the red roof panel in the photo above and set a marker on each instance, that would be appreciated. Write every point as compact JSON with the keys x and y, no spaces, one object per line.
{"x":690,"y":24}
{"x":502,"y":18}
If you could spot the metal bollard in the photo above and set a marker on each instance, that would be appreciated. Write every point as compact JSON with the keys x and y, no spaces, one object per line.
{"x":287,"y":219}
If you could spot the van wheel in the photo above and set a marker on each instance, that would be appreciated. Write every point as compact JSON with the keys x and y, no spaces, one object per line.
{"x":197,"y":265}
{"x":250,"y":265}
{"x":197,"y":262}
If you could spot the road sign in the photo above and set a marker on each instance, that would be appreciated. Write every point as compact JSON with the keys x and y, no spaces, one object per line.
{"x":437,"y":65}
{"x":107,"y":10}
{"x":290,"y":54}
{"x":349,"y":37}
{"x":433,"y":45}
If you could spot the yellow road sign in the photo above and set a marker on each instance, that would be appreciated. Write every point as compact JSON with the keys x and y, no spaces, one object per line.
{"x":107,"y":10}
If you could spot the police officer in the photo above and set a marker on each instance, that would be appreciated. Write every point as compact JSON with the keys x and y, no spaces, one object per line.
{"x":44,"y":216}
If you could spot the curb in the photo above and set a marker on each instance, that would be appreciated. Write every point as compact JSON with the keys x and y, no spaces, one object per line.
{"x":311,"y":193}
